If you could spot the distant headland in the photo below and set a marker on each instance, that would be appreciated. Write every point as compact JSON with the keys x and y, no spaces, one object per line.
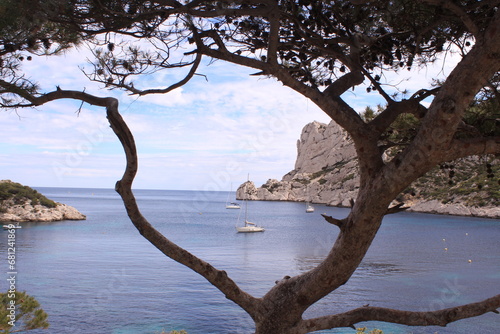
{"x":326,"y":172}
{"x":19,"y":203}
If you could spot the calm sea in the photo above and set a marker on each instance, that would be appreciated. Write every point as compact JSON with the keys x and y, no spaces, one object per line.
{"x":100,"y":276}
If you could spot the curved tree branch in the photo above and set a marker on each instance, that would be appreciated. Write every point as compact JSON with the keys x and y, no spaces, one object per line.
{"x":459,"y":12}
{"x":382,"y":121}
{"x":461,"y":148}
{"x":410,"y":318}
{"x":37,"y":100}
{"x":170,"y":88}
{"x":216,"y":277}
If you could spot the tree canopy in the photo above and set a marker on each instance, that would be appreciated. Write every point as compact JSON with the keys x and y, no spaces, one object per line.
{"x":321,"y":49}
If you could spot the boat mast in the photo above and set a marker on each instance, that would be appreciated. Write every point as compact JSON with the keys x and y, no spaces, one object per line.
{"x":246,"y":199}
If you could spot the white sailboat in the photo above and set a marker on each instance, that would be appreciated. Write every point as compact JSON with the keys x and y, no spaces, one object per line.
{"x":309,"y":207}
{"x":248,"y":226}
{"x":231,"y":205}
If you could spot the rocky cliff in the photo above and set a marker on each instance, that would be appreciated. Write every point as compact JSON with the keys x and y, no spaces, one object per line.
{"x":326,"y":172}
{"x":20,"y":203}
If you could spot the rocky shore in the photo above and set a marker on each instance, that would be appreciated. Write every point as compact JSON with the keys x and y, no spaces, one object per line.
{"x":38,"y":213}
{"x":23,"y":204}
{"x":325,"y":172}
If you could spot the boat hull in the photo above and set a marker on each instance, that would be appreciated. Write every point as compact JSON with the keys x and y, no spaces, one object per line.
{"x":249,"y":229}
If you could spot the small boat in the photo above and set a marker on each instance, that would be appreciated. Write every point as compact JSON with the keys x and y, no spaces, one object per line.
{"x":232,"y":205}
{"x":309,"y":208}
{"x":248,"y":227}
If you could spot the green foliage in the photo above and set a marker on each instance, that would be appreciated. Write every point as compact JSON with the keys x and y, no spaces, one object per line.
{"x":369,"y":114}
{"x":483,"y":116}
{"x":403,"y":129}
{"x":29,"y":28}
{"x":475,"y":181}
{"x":28,"y":314}
{"x":30,"y":25}
{"x":400,"y":133}
{"x":322,"y":181}
{"x":20,"y":193}
{"x":481,"y":119}
{"x":327,"y":169}
{"x":349,"y":177}
{"x":303,"y":181}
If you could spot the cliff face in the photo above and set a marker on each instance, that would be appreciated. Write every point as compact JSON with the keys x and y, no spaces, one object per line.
{"x":326,"y":172}
{"x":21,"y":204}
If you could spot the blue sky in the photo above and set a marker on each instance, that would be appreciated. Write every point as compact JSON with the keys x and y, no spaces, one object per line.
{"x":207,"y":135}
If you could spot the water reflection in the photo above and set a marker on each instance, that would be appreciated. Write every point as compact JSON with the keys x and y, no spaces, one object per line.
{"x":366,"y":269}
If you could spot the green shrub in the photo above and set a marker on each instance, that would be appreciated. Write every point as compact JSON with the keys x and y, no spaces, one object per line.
{"x":20,"y":193}
{"x":474,"y":181}
{"x":349,"y":177}
{"x":28,"y":313}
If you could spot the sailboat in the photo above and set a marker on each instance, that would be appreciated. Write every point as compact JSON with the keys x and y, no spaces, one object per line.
{"x":309,"y":207}
{"x":248,"y":227}
{"x":232,"y":205}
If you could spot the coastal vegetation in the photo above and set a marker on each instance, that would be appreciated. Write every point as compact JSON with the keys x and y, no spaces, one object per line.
{"x":321,"y":50}
{"x":27,"y":315}
{"x":473,"y":180}
{"x":19,"y":194}
{"x":19,"y":203}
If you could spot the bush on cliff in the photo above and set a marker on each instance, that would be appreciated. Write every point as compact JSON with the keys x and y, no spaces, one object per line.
{"x":20,"y":193}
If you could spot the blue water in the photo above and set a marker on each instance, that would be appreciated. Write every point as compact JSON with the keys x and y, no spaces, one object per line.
{"x":100,"y":276}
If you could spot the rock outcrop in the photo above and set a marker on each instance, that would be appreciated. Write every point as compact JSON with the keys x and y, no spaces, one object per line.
{"x":23,"y":204}
{"x":38,"y":213}
{"x":326,"y":172}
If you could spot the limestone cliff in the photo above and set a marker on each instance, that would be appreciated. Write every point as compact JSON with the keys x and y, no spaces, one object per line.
{"x":326,"y":172}
{"x":20,"y":203}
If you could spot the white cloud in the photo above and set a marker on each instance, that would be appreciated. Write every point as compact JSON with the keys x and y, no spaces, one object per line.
{"x":204,"y":135}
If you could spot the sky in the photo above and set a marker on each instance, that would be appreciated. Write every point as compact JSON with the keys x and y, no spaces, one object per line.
{"x":210,"y":134}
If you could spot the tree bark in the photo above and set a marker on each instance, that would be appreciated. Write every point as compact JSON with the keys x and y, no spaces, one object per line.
{"x":280,"y":310}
